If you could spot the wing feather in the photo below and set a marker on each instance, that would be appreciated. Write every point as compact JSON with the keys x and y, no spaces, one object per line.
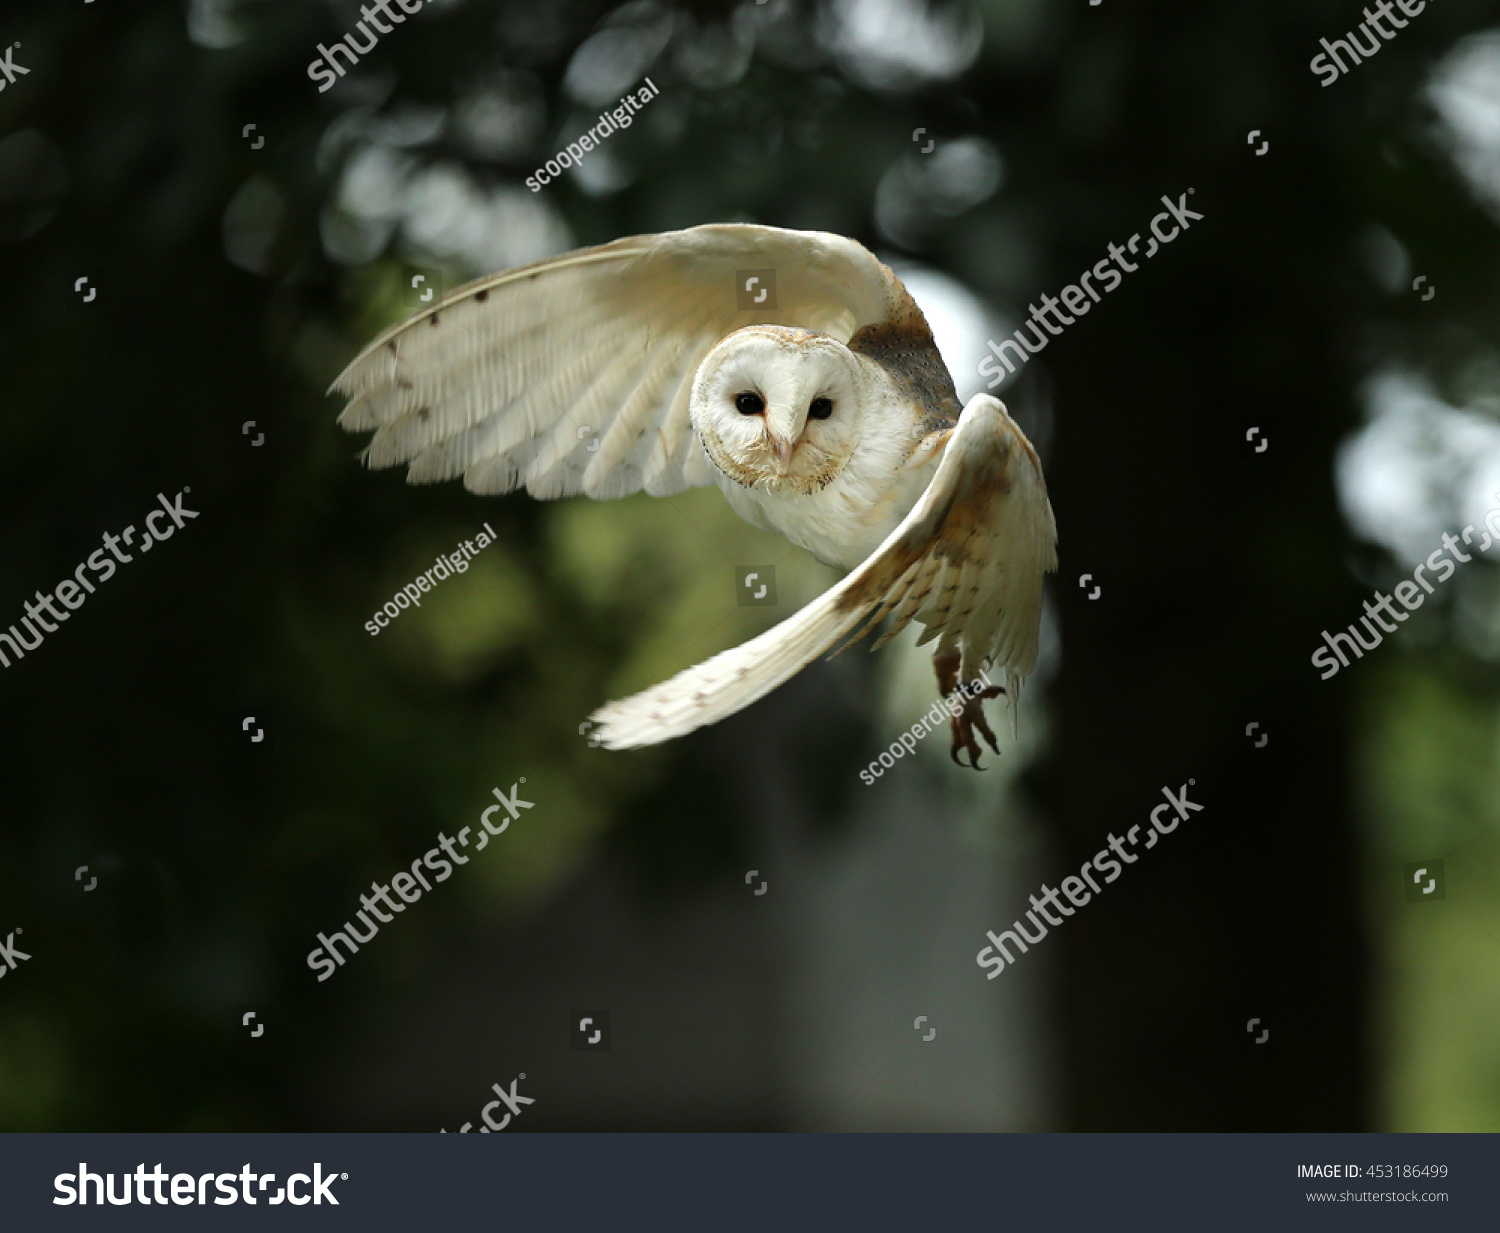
{"x":494,"y":381}
{"x":967,"y":563}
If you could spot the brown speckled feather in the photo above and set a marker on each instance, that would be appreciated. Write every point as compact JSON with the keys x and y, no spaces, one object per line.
{"x":973,"y":551}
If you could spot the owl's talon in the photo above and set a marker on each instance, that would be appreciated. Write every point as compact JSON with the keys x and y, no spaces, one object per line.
{"x":971,"y":716}
{"x":964,"y":723}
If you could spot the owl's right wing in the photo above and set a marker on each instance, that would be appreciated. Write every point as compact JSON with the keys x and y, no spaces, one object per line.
{"x":967,"y":563}
{"x":574,"y":374}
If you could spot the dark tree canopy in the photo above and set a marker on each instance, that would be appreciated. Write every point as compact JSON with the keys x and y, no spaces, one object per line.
{"x":247,"y":233}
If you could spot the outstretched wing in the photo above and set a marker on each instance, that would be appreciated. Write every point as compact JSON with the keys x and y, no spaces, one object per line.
{"x":967,"y":563}
{"x":573,"y":375}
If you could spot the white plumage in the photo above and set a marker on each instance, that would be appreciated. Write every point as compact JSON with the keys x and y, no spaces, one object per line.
{"x":823,"y":412}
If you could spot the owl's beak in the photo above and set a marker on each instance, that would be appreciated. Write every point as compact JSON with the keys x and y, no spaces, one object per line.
{"x":783,"y":450}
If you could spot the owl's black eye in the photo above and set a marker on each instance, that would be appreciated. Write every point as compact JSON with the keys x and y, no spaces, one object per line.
{"x":820,"y":409}
{"x":749,"y":404}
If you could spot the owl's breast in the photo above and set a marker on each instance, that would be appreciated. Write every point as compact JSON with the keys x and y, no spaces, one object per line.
{"x":845,"y":520}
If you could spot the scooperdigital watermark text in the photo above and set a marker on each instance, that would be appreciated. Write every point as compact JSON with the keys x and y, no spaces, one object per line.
{"x":448,"y":564}
{"x":621,"y":116}
{"x":951,"y":704}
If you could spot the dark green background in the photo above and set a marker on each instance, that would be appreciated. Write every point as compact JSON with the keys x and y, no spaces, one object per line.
{"x":218,"y":860}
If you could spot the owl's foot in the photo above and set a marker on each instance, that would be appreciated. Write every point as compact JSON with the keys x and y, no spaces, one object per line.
{"x":964,"y":723}
{"x":971,"y":716}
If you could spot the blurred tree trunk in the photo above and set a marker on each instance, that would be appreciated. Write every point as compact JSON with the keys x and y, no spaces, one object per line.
{"x":1219,"y":567}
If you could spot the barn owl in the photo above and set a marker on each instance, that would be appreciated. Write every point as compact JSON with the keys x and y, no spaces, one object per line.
{"x":792,"y":370}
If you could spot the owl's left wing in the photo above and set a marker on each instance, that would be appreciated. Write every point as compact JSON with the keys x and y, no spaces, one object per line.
{"x":575,"y":375}
{"x":967,"y":563}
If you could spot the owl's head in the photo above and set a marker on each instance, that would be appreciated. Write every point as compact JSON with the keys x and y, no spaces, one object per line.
{"x":779,"y":408}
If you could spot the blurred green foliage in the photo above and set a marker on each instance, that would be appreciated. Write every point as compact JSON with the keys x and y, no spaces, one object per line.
{"x":219,"y":860}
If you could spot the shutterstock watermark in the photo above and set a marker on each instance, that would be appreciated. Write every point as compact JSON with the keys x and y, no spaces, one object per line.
{"x":1356,"y":50}
{"x":996,"y":956}
{"x":511,"y":1100}
{"x":950,"y":704}
{"x":409,"y":886}
{"x":622,"y":116}
{"x":188,"y":1188}
{"x":10,"y":953}
{"x":1411,"y":594}
{"x":73,"y":591}
{"x":9,"y":69}
{"x":328,"y":70}
{"x":1179,"y":219}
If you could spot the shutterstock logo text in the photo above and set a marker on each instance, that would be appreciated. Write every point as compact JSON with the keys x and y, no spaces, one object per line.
{"x":188,"y":1189}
